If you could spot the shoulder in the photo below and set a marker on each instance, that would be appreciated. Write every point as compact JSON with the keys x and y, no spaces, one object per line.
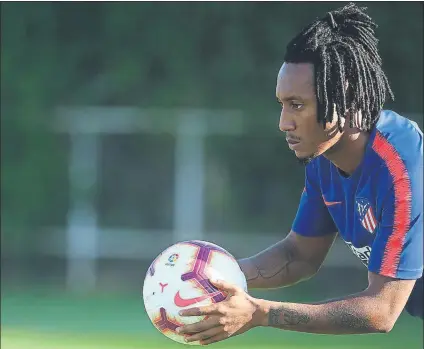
{"x":396,"y":156}
{"x":397,"y":143}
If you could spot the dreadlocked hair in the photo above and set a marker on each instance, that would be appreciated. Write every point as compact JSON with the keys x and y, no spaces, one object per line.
{"x":347,"y":66}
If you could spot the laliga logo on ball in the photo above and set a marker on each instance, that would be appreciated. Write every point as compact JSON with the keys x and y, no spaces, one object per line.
{"x":172,"y":259}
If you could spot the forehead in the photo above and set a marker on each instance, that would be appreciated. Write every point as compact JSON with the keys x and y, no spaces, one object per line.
{"x":295,"y":79}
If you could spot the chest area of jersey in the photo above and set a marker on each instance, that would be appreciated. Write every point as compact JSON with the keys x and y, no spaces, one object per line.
{"x":355,"y":212}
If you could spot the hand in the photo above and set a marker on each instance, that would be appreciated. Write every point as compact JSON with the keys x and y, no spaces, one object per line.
{"x":235,"y":315}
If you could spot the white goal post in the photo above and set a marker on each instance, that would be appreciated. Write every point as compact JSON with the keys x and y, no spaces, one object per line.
{"x":85,"y":124}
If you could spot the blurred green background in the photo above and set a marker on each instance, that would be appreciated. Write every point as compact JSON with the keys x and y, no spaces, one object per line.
{"x":128,"y":126}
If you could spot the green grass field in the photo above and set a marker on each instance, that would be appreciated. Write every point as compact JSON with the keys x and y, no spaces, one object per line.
{"x":106,"y":322}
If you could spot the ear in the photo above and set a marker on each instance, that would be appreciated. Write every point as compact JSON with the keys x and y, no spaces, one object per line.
{"x":333,"y":125}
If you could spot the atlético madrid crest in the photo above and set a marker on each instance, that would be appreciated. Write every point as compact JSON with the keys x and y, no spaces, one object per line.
{"x":366,"y":214}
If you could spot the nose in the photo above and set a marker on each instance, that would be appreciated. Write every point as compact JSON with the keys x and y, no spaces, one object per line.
{"x":286,"y":122}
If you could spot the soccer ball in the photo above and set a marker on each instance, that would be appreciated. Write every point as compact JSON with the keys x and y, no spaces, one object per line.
{"x":179,"y":278}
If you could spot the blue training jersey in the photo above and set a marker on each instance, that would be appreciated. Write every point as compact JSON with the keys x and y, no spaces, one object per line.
{"x":378,"y":209}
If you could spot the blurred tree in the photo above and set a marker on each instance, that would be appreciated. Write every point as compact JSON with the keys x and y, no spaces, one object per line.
{"x":213,"y":55}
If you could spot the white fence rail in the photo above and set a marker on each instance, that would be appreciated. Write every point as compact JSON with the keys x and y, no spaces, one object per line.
{"x":83,"y":242}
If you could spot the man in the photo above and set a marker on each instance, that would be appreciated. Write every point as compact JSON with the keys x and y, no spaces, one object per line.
{"x":364,"y":174}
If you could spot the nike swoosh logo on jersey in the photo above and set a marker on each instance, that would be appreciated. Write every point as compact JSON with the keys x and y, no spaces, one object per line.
{"x":185,"y":302}
{"x":331,"y":203}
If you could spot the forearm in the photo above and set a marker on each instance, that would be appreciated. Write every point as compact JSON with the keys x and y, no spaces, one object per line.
{"x":278,"y":266}
{"x":355,"y":314}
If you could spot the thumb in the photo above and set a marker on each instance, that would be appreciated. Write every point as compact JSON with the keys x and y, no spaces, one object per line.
{"x":225,"y":286}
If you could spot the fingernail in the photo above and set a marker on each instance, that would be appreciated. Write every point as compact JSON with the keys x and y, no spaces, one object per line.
{"x":178,"y":329}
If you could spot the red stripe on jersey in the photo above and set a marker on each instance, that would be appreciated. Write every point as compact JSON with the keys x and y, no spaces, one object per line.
{"x":402,"y":212}
{"x":372,"y":219}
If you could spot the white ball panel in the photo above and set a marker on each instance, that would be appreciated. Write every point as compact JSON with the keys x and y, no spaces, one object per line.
{"x":160,"y":289}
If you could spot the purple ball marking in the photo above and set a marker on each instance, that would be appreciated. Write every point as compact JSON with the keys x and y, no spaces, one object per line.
{"x":219,"y":298}
{"x":198,"y":271}
{"x":203,"y":254}
{"x":164,"y":323}
{"x":207,"y":245}
{"x":199,"y":266}
{"x":197,"y":243}
{"x":208,"y":286}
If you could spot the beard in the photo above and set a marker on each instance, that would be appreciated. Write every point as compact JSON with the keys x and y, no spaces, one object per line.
{"x":306,"y":160}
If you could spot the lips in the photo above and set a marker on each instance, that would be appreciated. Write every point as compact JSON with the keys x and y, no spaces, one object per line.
{"x":291,"y":141}
{"x":293,"y":144}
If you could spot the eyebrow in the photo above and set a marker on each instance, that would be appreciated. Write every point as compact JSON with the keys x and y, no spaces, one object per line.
{"x":290,"y":98}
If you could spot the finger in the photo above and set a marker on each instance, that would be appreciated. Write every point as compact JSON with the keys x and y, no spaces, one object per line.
{"x":217,"y":338}
{"x":197,"y":311}
{"x":200,"y":326}
{"x":212,"y":332}
{"x":225,"y":286}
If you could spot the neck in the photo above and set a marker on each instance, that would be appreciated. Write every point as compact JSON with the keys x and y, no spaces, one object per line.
{"x":347,"y":154}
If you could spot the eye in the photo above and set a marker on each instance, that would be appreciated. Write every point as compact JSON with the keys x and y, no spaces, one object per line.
{"x":296,"y":106}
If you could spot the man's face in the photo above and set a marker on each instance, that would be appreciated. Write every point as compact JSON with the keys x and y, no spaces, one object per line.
{"x":298,"y":119}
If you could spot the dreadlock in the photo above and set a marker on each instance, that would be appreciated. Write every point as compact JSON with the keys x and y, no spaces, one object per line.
{"x":343,"y":49}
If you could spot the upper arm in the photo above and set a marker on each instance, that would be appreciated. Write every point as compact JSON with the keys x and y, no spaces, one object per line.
{"x":312,"y":249}
{"x":313,"y":218}
{"x":396,"y":259}
{"x":397,"y":250}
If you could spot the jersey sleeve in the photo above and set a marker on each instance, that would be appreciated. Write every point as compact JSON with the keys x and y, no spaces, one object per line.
{"x":312,"y":218}
{"x":397,"y":250}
